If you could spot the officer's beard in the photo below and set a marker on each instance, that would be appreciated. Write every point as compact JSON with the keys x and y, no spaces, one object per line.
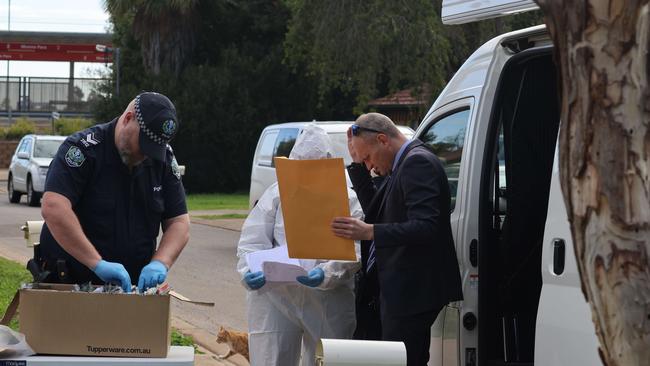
{"x":128,"y":159}
{"x":126,"y":155}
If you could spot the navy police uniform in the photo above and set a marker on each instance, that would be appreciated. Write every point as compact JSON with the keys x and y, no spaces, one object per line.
{"x":120,"y":211}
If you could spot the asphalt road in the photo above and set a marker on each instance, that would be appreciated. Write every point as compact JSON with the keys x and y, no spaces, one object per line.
{"x":205,"y":270}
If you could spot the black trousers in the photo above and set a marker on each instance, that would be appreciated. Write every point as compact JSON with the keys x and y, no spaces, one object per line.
{"x":414,"y":331}
{"x":367,"y":307}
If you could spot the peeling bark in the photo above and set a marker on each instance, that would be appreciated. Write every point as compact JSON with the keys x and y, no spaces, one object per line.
{"x":601,"y":48}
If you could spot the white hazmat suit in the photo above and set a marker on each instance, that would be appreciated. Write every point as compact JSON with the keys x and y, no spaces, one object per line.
{"x":283,"y":316}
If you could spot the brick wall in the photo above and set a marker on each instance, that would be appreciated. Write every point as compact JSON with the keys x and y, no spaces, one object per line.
{"x":7,"y":149}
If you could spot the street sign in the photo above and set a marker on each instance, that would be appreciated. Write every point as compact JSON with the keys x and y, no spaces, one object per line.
{"x":24,"y":51}
{"x":56,"y":115}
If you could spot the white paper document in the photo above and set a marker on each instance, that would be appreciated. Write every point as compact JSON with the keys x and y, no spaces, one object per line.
{"x":282,"y":272}
{"x":276,"y":264}
{"x":277,"y":254}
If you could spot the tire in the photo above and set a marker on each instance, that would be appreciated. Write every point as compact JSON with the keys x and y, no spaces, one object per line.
{"x":33,"y":197}
{"x":14,"y":197}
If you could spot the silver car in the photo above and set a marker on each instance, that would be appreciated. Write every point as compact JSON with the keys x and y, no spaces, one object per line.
{"x":29,"y":166}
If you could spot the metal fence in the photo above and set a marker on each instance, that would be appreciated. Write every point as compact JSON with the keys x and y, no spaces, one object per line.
{"x":37,"y":94}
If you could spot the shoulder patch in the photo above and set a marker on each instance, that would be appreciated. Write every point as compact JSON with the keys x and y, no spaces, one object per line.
{"x":87,"y":139}
{"x":91,"y":139}
{"x":175,"y":169}
{"x":74,"y":157}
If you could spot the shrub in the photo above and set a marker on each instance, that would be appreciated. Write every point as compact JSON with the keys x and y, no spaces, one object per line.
{"x":18,"y":129}
{"x":68,"y":126}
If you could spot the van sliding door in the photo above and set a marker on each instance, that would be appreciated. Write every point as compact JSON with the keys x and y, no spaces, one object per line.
{"x":444,"y":131}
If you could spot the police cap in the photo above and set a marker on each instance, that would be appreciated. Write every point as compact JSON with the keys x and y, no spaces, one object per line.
{"x":156,"y":116}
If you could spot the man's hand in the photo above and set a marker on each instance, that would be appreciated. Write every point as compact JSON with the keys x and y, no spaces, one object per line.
{"x":353,"y":152}
{"x":152,"y":274}
{"x":352,"y":228}
{"x":113,"y":273}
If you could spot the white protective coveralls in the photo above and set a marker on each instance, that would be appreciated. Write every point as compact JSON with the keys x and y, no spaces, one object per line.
{"x":280,"y":317}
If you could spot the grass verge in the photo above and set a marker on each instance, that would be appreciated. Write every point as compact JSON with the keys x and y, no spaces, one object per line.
{"x":12,"y":275}
{"x":217,"y":201}
{"x":224,"y":216}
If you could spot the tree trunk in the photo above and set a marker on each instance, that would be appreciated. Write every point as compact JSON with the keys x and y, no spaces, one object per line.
{"x":601,"y":48}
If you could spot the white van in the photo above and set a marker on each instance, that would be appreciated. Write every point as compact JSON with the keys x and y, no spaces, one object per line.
{"x":496,"y":125}
{"x":277,"y":140}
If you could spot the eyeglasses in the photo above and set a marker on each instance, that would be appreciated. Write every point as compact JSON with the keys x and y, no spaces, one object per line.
{"x":356,"y":130}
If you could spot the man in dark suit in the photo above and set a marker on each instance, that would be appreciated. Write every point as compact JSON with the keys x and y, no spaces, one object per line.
{"x":408,"y":247}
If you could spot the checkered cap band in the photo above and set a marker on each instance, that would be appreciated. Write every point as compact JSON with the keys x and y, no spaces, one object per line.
{"x":143,"y":127}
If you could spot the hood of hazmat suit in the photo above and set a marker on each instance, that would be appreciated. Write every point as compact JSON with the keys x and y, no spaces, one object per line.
{"x":281,"y":317}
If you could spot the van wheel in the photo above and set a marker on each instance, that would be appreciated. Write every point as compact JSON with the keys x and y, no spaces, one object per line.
{"x":14,"y":197}
{"x":33,"y":198}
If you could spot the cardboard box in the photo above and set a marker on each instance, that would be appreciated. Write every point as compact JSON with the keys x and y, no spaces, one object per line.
{"x":62,"y":322}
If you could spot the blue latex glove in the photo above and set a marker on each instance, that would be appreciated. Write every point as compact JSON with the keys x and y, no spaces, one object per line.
{"x":255,"y":280}
{"x":111,"y":272}
{"x":314,"y":277}
{"x":151,"y":275}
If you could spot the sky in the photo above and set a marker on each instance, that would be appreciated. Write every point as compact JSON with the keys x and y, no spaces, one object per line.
{"x":53,"y":16}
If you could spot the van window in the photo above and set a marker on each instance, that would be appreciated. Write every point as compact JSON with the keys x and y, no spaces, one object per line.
{"x":446,"y":137}
{"x":284,"y":144}
{"x":265,"y":156}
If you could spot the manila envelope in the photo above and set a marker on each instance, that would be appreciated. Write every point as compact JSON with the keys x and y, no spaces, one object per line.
{"x":313,"y":193}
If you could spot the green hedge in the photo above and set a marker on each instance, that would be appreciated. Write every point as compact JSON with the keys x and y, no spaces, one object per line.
{"x":68,"y":126}
{"x":16,"y":131}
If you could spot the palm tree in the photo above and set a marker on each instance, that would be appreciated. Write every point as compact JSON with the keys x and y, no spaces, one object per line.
{"x":164,"y":28}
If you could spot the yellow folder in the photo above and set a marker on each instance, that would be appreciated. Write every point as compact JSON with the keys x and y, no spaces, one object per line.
{"x":312,"y":193}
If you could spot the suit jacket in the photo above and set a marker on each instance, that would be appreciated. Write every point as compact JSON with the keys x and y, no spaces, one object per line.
{"x":417,"y":268}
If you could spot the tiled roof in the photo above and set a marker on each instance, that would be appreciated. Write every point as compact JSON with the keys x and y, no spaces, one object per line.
{"x":403,"y":98}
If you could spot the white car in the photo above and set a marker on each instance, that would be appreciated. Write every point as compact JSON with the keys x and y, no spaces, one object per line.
{"x":29,"y":166}
{"x":278,"y":140}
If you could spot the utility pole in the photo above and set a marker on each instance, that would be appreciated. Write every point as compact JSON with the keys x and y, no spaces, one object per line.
{"x":7,"y":95}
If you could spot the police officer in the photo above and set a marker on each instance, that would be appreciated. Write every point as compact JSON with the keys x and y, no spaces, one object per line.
{"x":107,"y":192}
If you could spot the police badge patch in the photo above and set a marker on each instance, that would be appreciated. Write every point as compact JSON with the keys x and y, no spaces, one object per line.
{"x":169,"y":127}
{"x":175,"y":169}
{"x":74,"y":157}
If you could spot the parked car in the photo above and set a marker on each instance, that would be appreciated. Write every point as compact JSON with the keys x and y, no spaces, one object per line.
{"x":29,"y":166}
{"x":278,"y":140}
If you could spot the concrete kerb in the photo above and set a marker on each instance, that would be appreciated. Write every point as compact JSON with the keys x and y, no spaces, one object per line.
{"x":227,"y":224}
{"x":207,"y":343}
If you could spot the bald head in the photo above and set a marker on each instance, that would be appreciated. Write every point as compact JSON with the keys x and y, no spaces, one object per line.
{"x":377,"y":142}
{"x":378,"y":122}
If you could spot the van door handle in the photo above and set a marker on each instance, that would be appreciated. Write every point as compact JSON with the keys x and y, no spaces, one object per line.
{"x":473,"y":253}
{"x":558,"y":256}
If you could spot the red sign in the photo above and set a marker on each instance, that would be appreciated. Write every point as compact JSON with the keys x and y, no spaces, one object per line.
{"x":53,"y":52}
